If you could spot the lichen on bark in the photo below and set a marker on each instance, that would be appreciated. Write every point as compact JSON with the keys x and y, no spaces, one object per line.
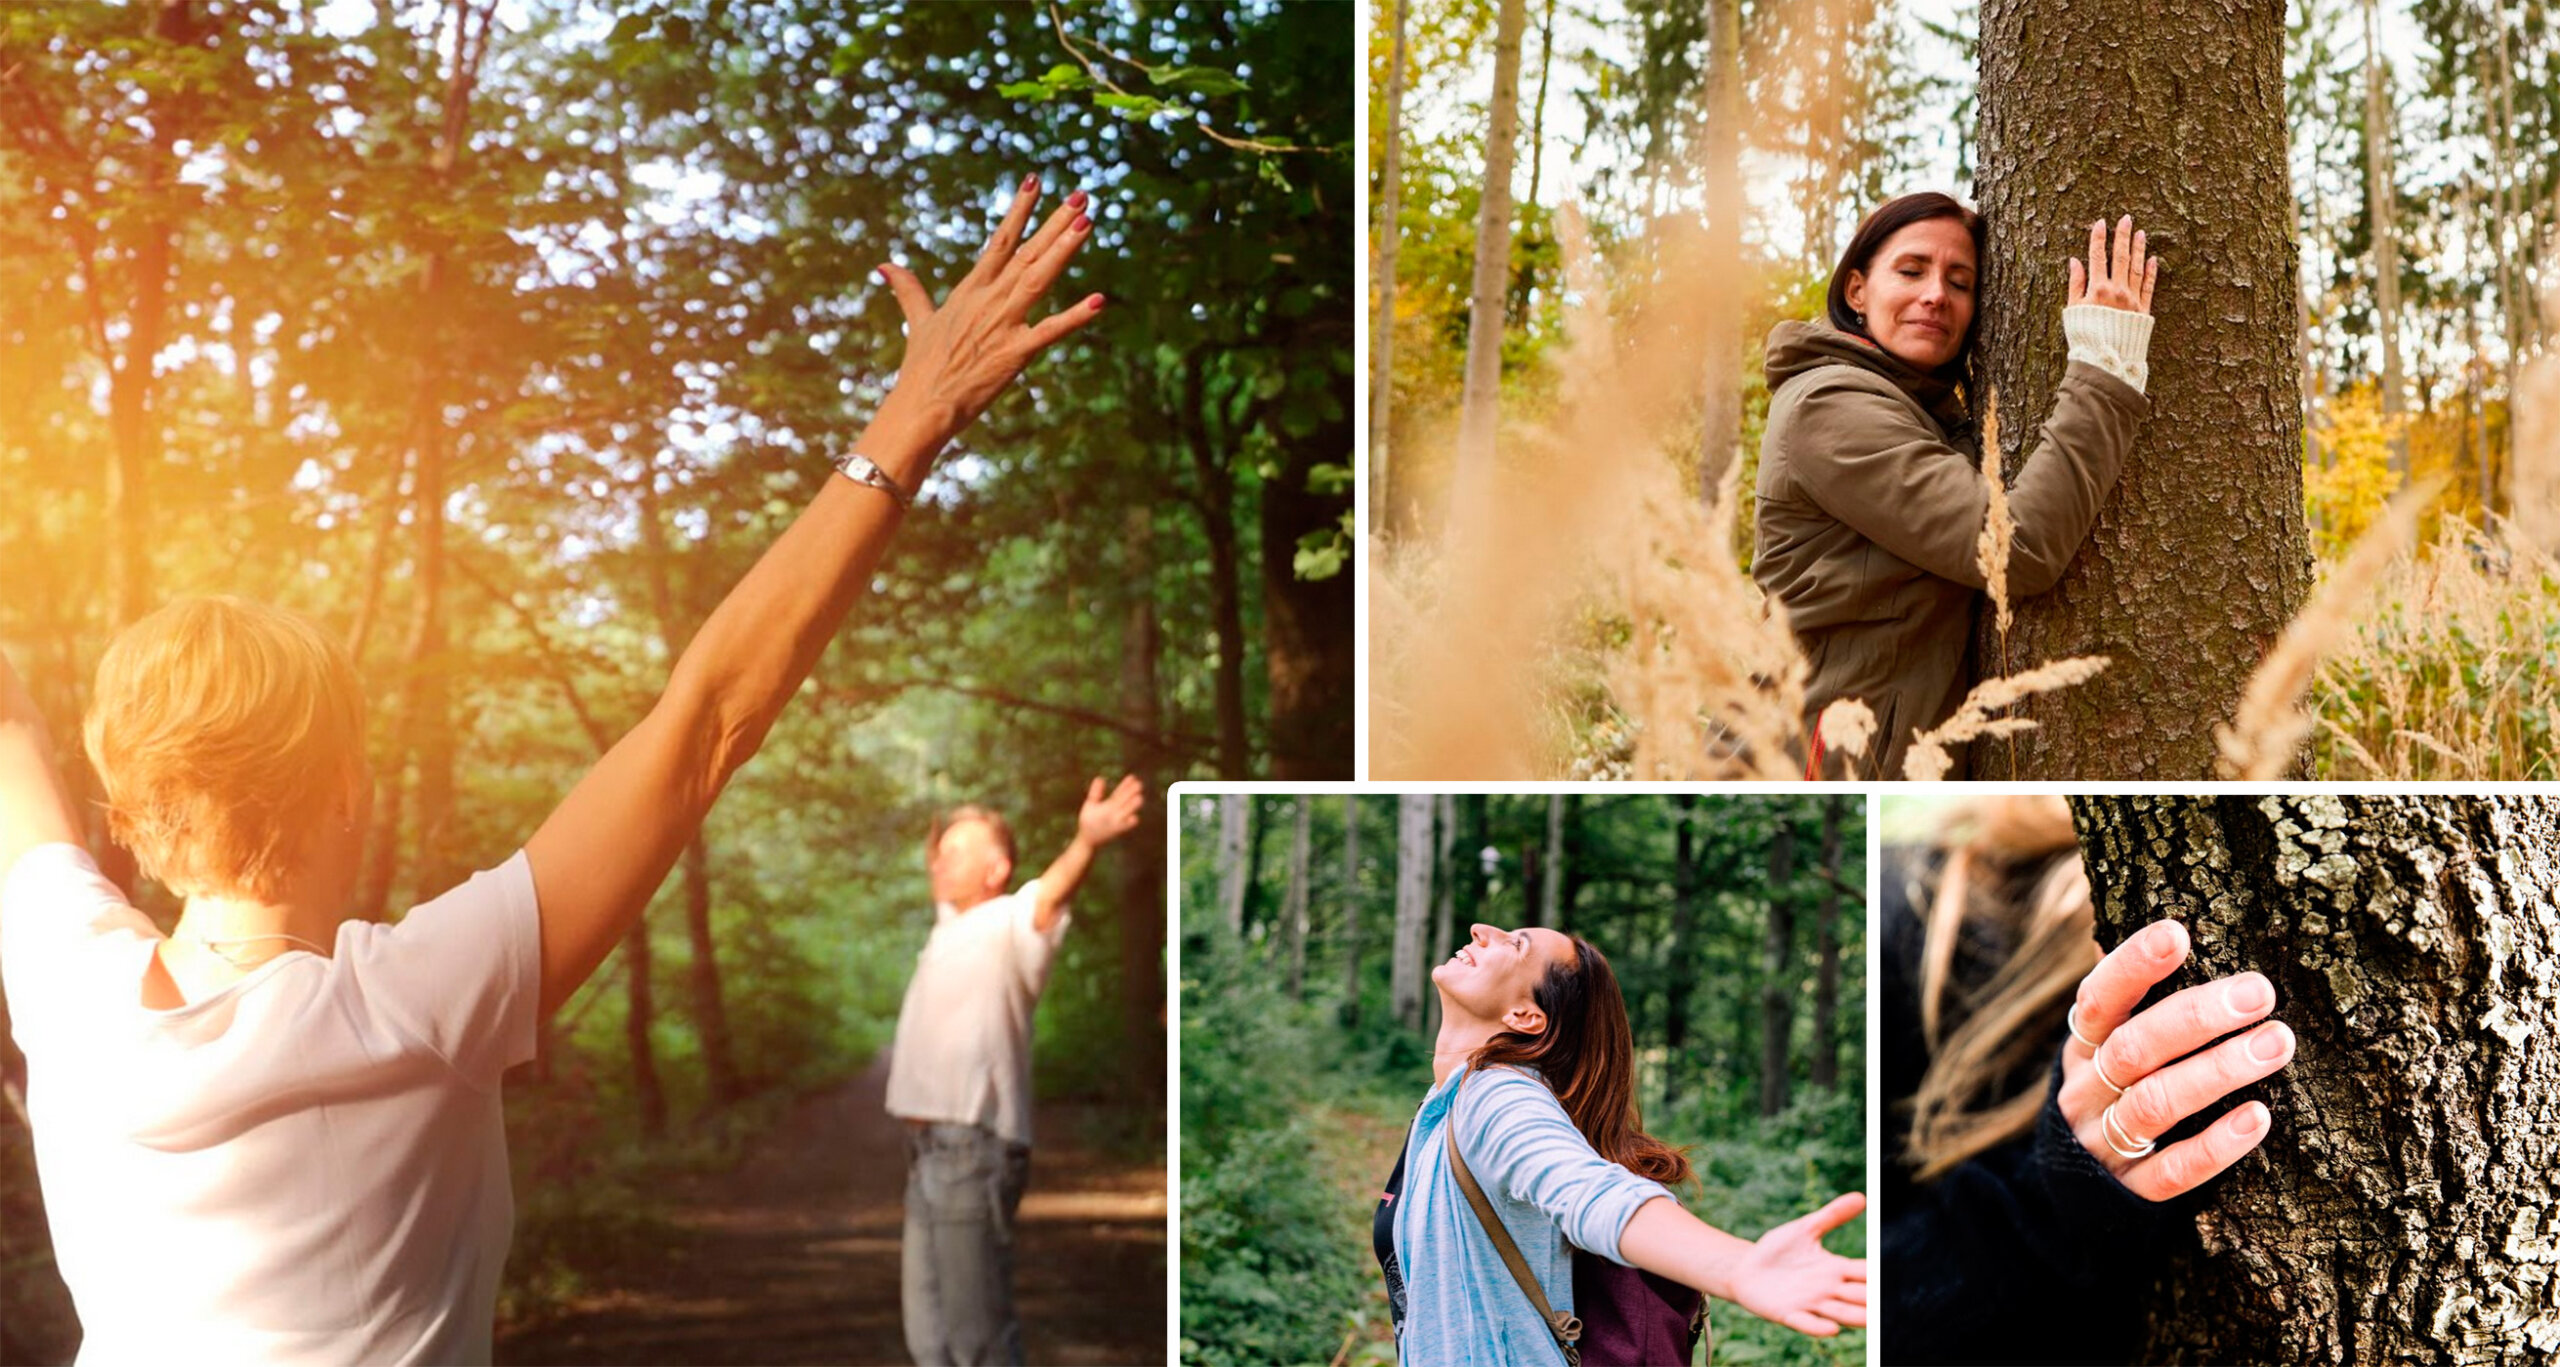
{"x":2405,"y":1206}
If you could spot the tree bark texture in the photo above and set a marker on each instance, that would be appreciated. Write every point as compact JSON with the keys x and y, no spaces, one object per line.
{"x":1235,"y":814}
{"x":1777,"y":972}
{"x":2176,"y":116}
{"x":1350,"y":912}
{"x":1309,"y":635}
{"x":1479,"y":404}
{"x":2405,"y":1206}
{"x":1389,"y":490}
{"x":1413,"y":907}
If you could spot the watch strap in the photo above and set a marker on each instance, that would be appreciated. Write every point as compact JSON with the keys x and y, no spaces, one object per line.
{"x":861,"y":469}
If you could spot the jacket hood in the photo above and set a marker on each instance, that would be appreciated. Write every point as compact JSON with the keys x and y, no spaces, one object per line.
{"x":1800,"y":348}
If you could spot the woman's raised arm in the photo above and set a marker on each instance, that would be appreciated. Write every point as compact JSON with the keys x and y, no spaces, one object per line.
{"x":1787,"y":1277}
{"x":597,"y":860}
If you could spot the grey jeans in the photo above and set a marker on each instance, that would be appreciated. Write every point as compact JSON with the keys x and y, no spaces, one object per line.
{"x":964,"y":1183}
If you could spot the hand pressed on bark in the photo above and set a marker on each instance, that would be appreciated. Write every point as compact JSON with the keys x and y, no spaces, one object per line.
{"x":2168,"y":1063}
{"x":2123,"y":282}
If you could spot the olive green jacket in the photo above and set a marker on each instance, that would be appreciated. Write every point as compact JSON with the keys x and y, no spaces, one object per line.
{"x":1871,"y":502}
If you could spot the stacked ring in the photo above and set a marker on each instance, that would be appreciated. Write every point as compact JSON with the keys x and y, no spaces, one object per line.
{"x":2129,"y":1147}
{"x":2071,"y":1019}
{"x":2101,"y":1069}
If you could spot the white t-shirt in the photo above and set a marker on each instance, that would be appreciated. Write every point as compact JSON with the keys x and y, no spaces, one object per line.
{"x":963,"y":1051}
{"x":306,"y":1167}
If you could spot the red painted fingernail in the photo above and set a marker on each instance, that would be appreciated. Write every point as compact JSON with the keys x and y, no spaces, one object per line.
{"x":2249,"y":1119}
{"x":1030,"y":182}
{"x":1076,"y":199}
{"x":1083,"y":223}
{"x":1095,"y":303}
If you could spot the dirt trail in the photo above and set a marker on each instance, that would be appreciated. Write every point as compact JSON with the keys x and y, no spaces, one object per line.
{"x":793,"y":1256}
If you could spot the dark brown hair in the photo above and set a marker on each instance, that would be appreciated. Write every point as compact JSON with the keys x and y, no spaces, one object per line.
{"x":1586,"y":1056}
{"x":1878,"y":229}
{"x":970,"y":811}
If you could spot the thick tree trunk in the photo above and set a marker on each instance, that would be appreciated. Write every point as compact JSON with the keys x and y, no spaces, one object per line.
{"x":1294,"y":912}
{"x":1720,"y":439}
{"x":1825,"y":1069}
{"x":1777,"y":971}
{"x":1308,"y":626}
{"x":2200,"y":557}
{"x":2400,"y":1209}
{"x":1142,"y":854}
{"x":1413,"y":908}
{"x":1479,"y":404}
{"x":2382,"y":220}
{"x":1390,"y":486}
{"x":1350,"y":912}
{"x":1444,"y":896}
{"x":1678,"y":954}
{"x":1235,"y":816}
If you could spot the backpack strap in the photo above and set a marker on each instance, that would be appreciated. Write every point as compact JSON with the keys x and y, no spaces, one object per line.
{"x":1566,"y":1328}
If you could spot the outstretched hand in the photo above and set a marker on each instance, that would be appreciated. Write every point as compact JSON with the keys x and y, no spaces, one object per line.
{"x":1789,"y":1278}
{"x":2121,"y":281}
{"x":963,"y":353}
{"x":1105,"y":819}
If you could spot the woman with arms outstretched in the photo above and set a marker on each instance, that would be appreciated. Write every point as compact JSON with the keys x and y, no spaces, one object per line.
{"x":1871,"y":498}
{"x":1535,"y":1070}
{"x":273,"y":1135}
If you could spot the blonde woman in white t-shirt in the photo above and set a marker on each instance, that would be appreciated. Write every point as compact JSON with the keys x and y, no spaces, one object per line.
{"x":272,"y":1135}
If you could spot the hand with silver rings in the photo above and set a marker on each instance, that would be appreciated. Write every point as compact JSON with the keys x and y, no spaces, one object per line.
{"x":2129,"y":1078}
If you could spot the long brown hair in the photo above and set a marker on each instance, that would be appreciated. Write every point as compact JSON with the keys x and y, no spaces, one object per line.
{"x":1586,"y":1056}
{"x":2016,"y":875}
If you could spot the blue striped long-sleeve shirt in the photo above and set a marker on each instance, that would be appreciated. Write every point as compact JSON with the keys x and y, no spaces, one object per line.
{"x":1554,"y":1194}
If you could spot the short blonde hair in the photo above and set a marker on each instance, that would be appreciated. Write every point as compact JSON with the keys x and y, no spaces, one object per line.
{"x":220,"y":730}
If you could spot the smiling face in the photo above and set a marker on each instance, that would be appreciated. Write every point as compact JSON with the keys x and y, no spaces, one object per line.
{"x":1917,"y":292}
{"x":1494,"y":976}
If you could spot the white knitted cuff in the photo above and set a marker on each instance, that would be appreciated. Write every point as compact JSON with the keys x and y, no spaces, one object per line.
{"x":2114,"y":340}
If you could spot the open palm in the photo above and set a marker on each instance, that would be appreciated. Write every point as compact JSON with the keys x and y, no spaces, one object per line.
{"x":1789,"y":1278}
{"x":1105,"y":819}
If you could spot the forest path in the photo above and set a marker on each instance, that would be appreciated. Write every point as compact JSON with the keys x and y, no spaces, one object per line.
{"x":793,"y":1255}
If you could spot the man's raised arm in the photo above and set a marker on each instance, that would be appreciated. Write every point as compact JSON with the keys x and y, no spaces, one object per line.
{"x":1102,"y":820}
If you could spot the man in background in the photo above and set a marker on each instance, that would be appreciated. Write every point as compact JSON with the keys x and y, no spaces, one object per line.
{"x":960,"y":1071}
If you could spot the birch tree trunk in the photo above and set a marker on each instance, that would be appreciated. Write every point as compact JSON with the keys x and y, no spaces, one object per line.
{"x":1294,"y":913}
{"x":1350,"y":912}
{"x":2402,"y":1208}
{"x":2382,"y":215}
{"x":1479,"y":404}
{"x":1235,"y":813}
{"x":1777,"y":971}
{"x":1413,"y":907}
{"x":2200,"y":556}
{"x":1444,"y":894}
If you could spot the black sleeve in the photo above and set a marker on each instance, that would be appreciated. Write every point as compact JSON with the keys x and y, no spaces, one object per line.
{"x":2032,"y":1252}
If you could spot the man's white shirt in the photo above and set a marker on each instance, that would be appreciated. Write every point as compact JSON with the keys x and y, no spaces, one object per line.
{"x":963,"y":1049}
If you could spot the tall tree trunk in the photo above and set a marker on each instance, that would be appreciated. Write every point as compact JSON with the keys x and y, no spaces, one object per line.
{"x":1390,"y":485}
{"x":1295,"y":913}
{"x":1309,"y":629}
{"x":1778,"y":970}
{"x":710,"y":1010}
{"x":1538,"y":107}
{"x":2200,"y":557}
{"x":1825,"y":1072}
{"x":1235,"y":815}
{"x":1413,"y":908}
{"x":1551,"y":871}
{"x":1720,"y":438}
{"x":1142,"y":855}
{"x":1350,"y":912}
{"x":1679,"y":953}
{"x":639,"y":1024}
{"x":1479,"y":404}
{"x":1444,"y":896}
{"x":2399,"y":1208}
{"x":2382,"y":201}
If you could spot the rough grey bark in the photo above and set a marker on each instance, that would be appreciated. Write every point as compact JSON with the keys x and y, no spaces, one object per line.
{"x":2176,"y":116}
{"x":2402,"y":1208}
{"x":1293,"y":915}
{"x":1389,"y":488}
{"x":1777,"y":972}
{"x":1479,"y":407}
{"x":1235,"y":814}
{"x":1413,"y":907}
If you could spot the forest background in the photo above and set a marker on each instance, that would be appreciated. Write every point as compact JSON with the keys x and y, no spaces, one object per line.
{"x":501,"y":338}
{"x":1736,"y":927}
{"x":1713,"y":158}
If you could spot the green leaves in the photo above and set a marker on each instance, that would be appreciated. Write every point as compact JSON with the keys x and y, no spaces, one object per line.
{"x":1208,"y":82}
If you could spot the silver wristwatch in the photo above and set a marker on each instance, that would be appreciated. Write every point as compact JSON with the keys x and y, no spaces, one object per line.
{"x":855,"y":466}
